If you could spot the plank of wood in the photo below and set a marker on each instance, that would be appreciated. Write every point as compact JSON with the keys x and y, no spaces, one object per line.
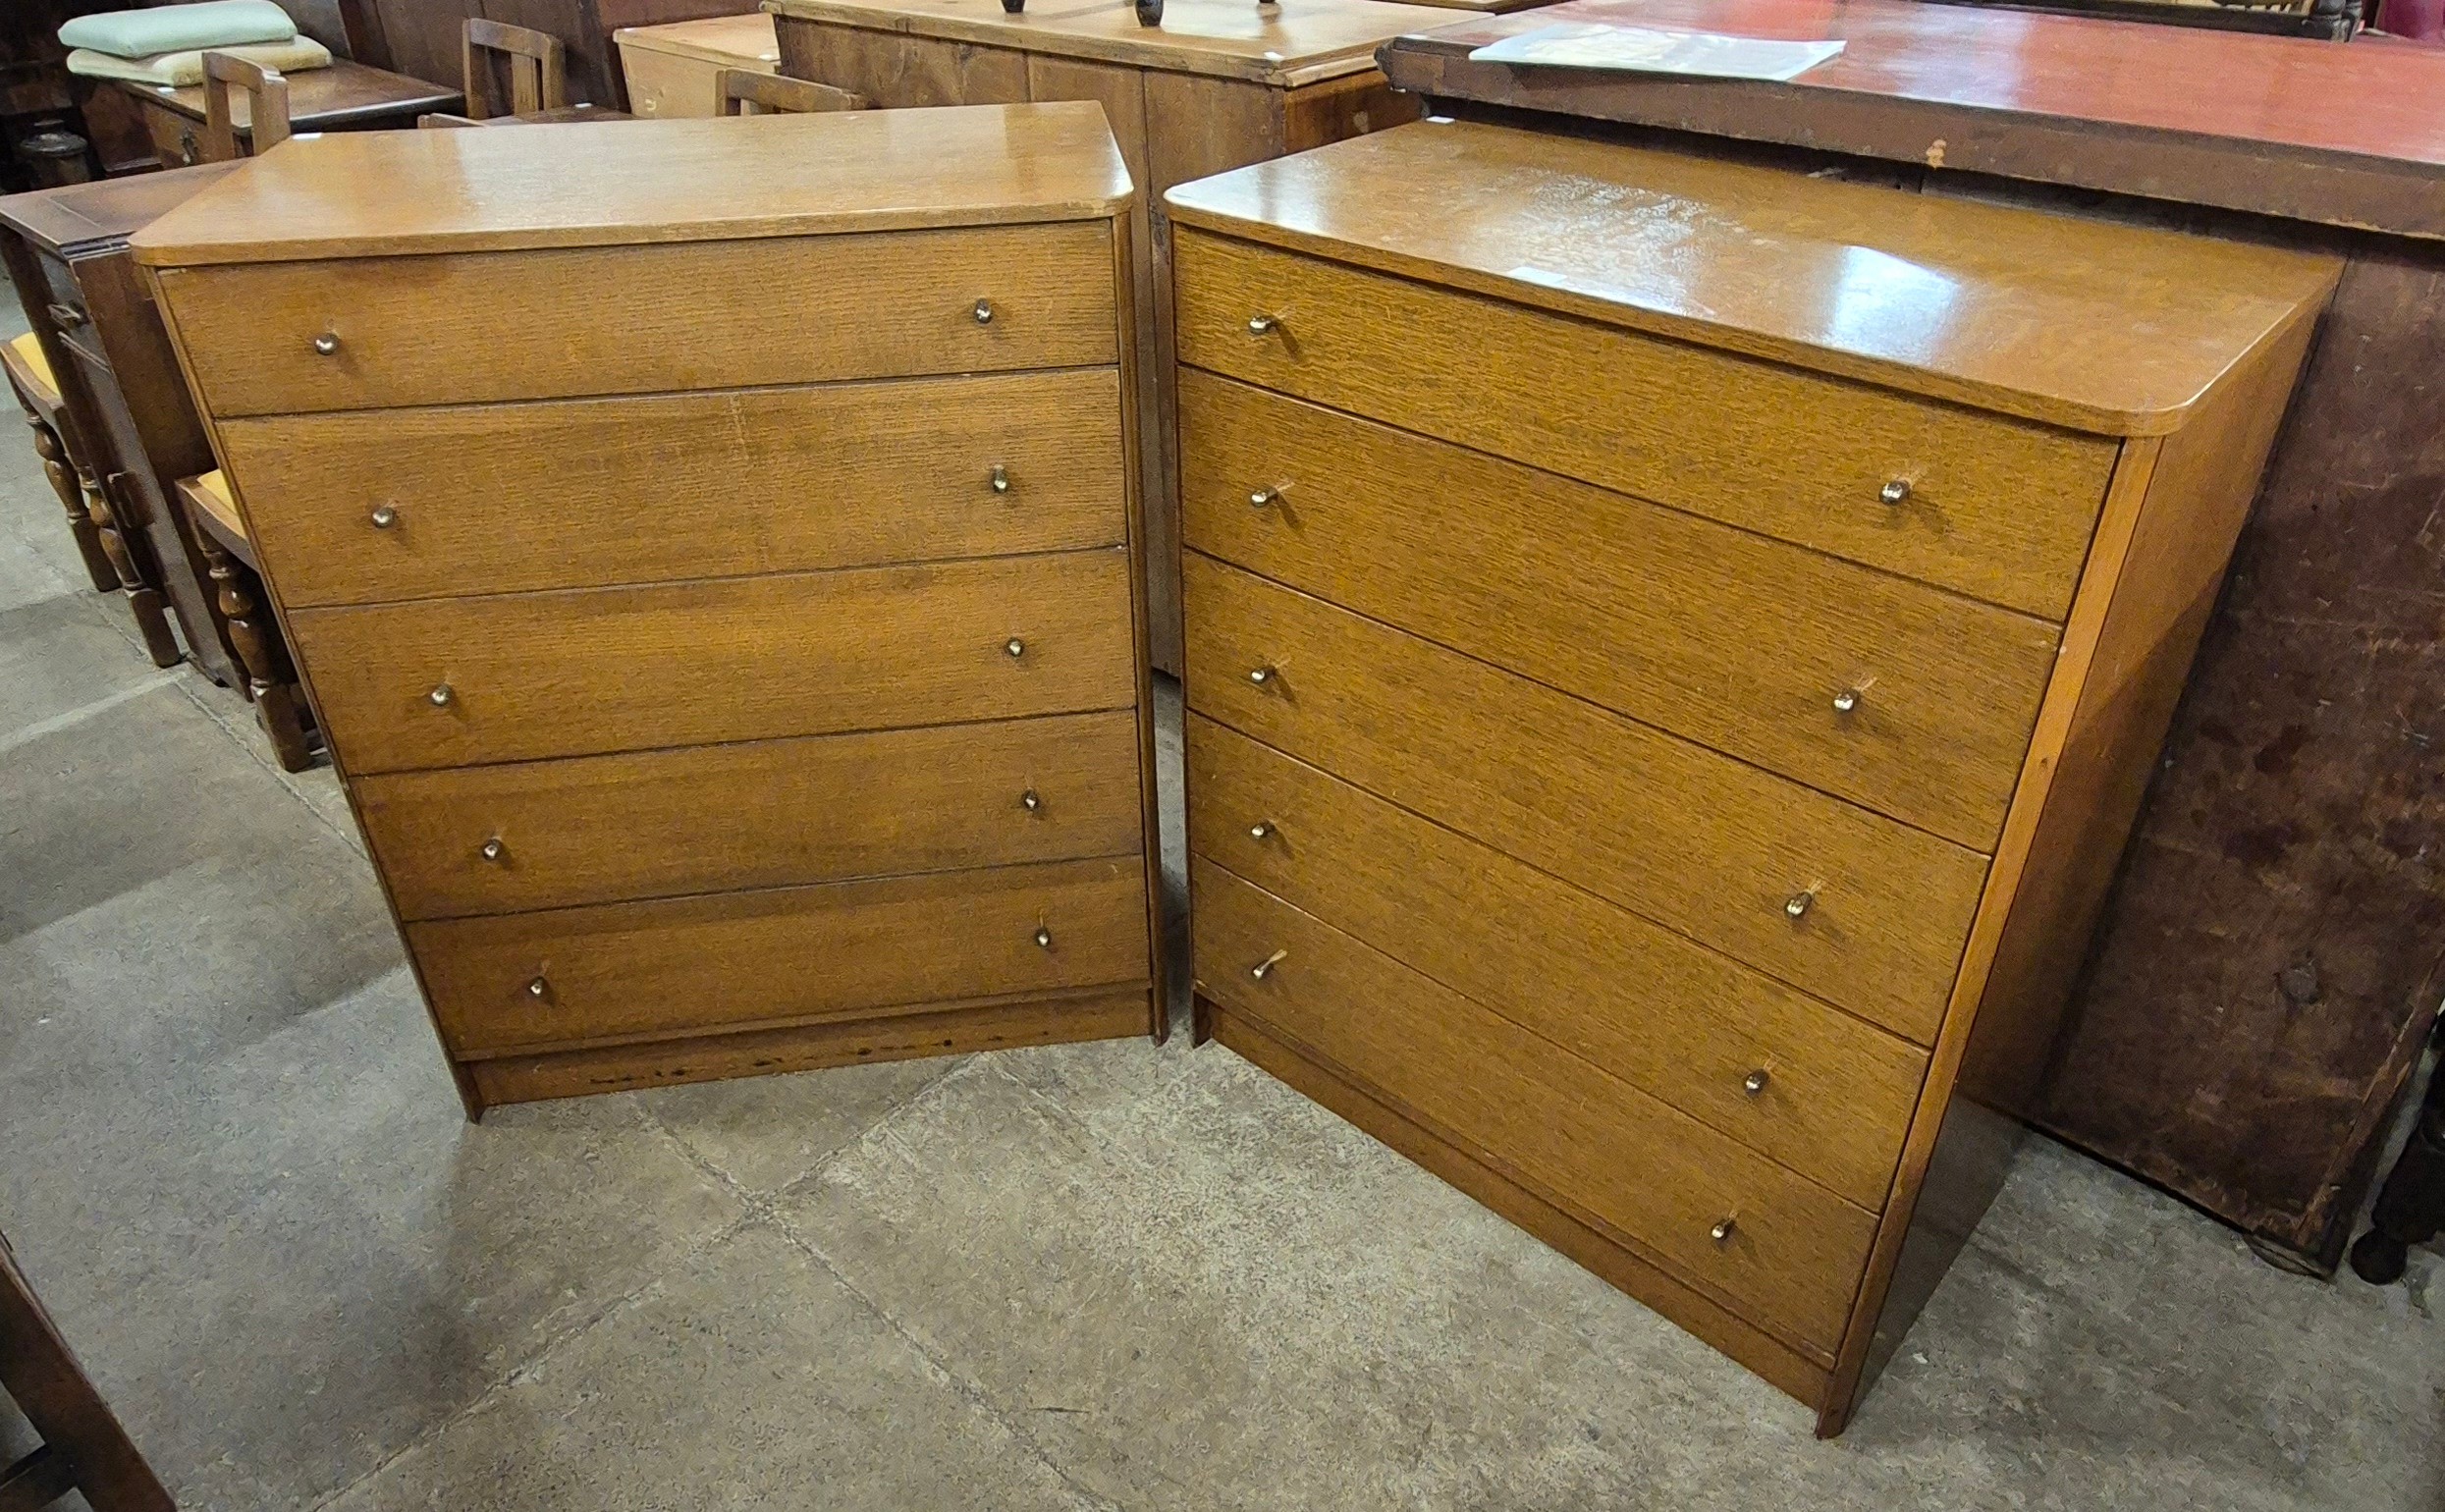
{"x":1582,"y":1139}
{"x":510,"y":498}
{"x":1734,"y":641}
{"x":1709,"y":846}
{"x":486,"y":326}
{"x":1681,"y":1023}
{"x":595,"y":669}
{"x":1998,"y":509}
{"x":620,"y":971}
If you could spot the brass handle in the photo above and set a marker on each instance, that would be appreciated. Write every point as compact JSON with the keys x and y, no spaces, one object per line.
{"x":984,"y":312}
{"x":187,"y":147}
{"x":1029,"y":801}
{"x":1259,"y":830}
{"x":492,"y":849}
{"x":1000,"y":479}
{"x":1044,"y":938}
{"x":441,"y":695}
{"x":1265,"y":968}
{"x":538,"y":988}
{"x":1895,"y":491}
{"x":1264,"y":325}
{"x":1799,"y":903}
{"x":1261,"y":675}
{"x":384,"y":516}
{"x":1015,"y":647}
{"x":1265,"y":498}
{"x":327,"y":344}
{"x":67,"y":315}
{"x":1722,"y":1233}
{"x":1846,"y":700}
{"x":1755,"y":1082}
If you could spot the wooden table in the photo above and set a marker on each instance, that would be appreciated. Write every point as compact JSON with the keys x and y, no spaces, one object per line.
{"x":1220,"y":84}
{"x":675,"y":70}
{"x":2263,"y":981}
{"x":344,"y":97}
{"x":423,"y":36}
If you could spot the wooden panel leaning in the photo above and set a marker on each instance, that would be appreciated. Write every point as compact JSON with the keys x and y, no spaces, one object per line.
{"x":1687,"y":641}
{"x":754,"y":678}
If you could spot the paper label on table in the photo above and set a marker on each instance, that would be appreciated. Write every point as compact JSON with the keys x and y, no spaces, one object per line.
{"x":1641,"y":49}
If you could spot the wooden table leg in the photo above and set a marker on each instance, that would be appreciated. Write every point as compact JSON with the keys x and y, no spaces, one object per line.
{"x":271,"y":679}
{"x":69,"y":484}
{"x":152,"y":617}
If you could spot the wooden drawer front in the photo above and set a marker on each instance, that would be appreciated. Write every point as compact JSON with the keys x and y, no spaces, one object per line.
{"x":592,"y":670}
{"x":178,"y":141}
{"x":67,"y":301}
{"x":500,"y":498}
{"x":1585,"y":1140}
{"x":1674,"y":1020}
{"x":1736,"y":642}
{"x":1998,"y":509}
{"x":1693,"y":840}
{"x":461,"y":328}
{"x":626,"y":969}
{"x":764,"y":814}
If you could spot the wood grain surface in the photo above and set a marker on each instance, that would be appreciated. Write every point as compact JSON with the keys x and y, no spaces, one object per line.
{"x":501,"y":498}
{"x":761,"y":814}
{"x":466,"y":328}
{"x":597,"y":670}
{"x":625,"y":970}
{"x":1692,"y":840}
{"x":1734,"y":641}
{"x":1680,"y":1022}
{"x":1588,"y":1142}
{"x":1998,"y":509}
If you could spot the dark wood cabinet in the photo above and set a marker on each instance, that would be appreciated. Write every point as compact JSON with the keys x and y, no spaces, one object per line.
{"x":422,"y":37}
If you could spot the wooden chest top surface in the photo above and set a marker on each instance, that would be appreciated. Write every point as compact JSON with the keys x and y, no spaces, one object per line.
{"x":2073,"y":322}
{"x":79,"y":218}
{"x":724,"y":179}
{"x":722,"y":39}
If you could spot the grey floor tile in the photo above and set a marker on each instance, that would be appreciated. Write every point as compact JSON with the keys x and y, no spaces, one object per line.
{"x":751,"y":1379}
{"x":61,"y":656}
{"x":765,"y":1132}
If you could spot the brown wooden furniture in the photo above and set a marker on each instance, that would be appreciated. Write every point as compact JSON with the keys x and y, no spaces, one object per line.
{"x":423,"y":36}
{"x":263,"y":654}
{"x":70,"y":478}
{"x":1221,"y":84}
{"x":1673,"y":652}
{"x":344,"y":97}
{"x":2265,"y":976}
{"x":267,"y":107}
{"x":564,"y":115}
{"x":857,"y":764}
{"x":766,"y":94}
{"x":126,"y":404}
{"x":538,"y":72}
{"x":84,"y":1448}
{"x":675,"y":70}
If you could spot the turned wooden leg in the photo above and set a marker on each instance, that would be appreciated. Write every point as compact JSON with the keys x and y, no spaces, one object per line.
{"x":70,"y":486}
{"x":152,"y":617}
{"x":271,"y":681}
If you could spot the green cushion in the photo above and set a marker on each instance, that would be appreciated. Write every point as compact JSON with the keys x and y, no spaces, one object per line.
{"x":179,"y":27}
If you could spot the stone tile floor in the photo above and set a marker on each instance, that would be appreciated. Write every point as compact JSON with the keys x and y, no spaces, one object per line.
{"x":1085,"y":1278}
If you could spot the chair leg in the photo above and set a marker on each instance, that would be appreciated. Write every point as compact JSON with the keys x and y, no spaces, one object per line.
{"x":271,"y":679}
{"x":70,"y":487}
{"x":152,"y":616}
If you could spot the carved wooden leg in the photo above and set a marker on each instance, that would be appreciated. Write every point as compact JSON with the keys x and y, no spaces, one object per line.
{"x":270,"y":679}
{"x":152,"y":618}
{"x":70,"y":487}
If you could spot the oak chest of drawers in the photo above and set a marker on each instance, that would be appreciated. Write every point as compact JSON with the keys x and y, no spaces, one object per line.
{"x":712,"y":555}
{"x":1675,"y":650}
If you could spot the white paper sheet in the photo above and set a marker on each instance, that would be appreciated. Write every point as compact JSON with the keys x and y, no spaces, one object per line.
{"x":1640,"y":49}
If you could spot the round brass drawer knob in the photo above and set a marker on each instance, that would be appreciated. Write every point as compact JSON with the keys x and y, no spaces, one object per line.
{"x":1264,"y":325}
{"x":1001,"y":478}
{"x":441,"y":696}
{"x":1895,"y":491}
{"x":1261,"y":675}
{"x":1265,"y":498}
{"x":1044,"y":938}
{"x":1029,"y":801}
{"x":327,"y":345}
{"x":1265,"y":968}
{"x":1798,"y":905}
{"x":1846,"y":700}
{"x":1755,"y":1082}
{"x":538,"y":988}
{"x":384,"y":516}
{"x":1262,"y":829}
{"x":984,"y":312}
{"x":1015,"y":647}
{"x":492,"y":849}
{"x":1722,"y":1233}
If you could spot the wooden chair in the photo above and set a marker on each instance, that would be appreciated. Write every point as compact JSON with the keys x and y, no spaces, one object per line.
{"x":237,"y":579}
{"x":537,"y":61}
{"x":744,"y":92}
{"x":29,"y":376}
{"x":84,"y":1448}
{"x":267,"y":107}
